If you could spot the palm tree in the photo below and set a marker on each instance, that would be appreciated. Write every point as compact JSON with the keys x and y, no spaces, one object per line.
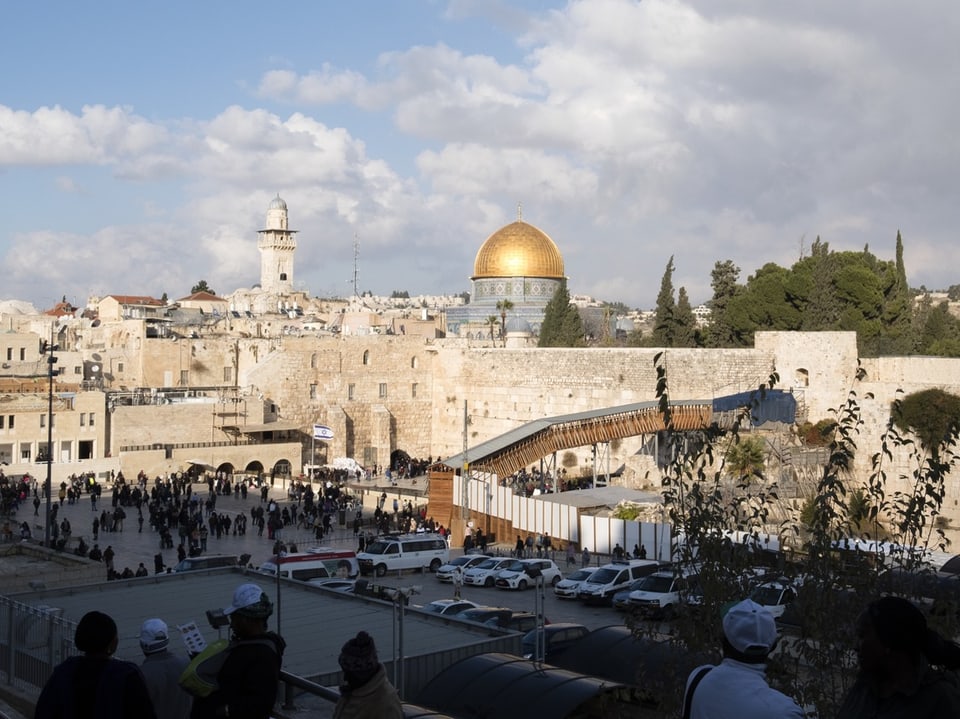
{"x":504,"y":306}
{"x":492,"y":322}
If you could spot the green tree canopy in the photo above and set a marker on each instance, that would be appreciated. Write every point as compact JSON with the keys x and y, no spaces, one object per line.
{"x":201,"y":286}
{"x":723,"y":280}
{"x":562,"y":326}
{"x":663,"y":324}
{"x":933,"y":415}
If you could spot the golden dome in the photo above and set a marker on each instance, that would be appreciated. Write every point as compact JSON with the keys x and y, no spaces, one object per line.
{"x":518,"y":250}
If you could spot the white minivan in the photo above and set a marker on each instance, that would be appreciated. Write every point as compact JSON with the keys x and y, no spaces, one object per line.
{"x":609,"y":579}
{"x":392,"y":552}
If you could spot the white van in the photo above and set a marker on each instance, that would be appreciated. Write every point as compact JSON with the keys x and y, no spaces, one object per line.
{"x":391,"y":552}
{"x":315,"y":563}
{"x":609,"y":579}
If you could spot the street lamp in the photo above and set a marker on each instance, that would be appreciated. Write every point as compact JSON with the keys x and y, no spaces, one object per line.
{"x":48,"y":348}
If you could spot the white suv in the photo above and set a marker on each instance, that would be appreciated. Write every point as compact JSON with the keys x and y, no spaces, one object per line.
{"x":659,"y":594}
{"x":484,"y":574}
{"x":522,"y":573}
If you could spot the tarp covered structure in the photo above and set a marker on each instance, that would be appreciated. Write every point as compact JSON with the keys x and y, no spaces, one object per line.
{"x":772,"y":405}
{"x":497,"y":686}
{"x":616,"y":654}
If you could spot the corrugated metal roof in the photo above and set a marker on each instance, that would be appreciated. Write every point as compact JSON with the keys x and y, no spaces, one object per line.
{"x":486,"y":451}
{"x":502,"y":685}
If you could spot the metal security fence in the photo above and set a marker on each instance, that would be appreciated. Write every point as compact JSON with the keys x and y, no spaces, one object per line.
{"x":33,"y":640}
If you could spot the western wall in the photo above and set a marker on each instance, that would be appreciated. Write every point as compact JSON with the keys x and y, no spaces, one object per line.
{"x":383,"y":393}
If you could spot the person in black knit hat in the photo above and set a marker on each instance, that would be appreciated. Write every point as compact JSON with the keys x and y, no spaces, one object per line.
{"x":366,"y":692}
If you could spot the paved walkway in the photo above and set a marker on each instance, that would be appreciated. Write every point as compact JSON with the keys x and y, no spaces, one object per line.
{"x":132,"y":547}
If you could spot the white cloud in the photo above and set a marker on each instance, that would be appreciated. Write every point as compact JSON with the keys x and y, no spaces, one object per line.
{"x":629,"y":130}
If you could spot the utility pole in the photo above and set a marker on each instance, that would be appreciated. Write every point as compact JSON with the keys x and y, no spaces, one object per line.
{"x":48,"y":348}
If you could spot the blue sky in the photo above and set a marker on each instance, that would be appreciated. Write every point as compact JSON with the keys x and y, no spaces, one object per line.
{"x":141,"y":144}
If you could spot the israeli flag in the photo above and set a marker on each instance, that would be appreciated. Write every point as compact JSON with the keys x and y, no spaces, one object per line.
{"x":322,"y":432}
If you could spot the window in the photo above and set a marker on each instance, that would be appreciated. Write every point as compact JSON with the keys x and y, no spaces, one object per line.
{"x":413,"y":363}
{"x":366,"y":357}
{"x":9,"y":353}
{"x":413,"y":390}
{"x":313,"y":391}
{"x":2,"y":421}
{"x":25,"y":453}
{"x":83,"y":419}
{"x":10,"y":421}
{"x":91,"y":419}
{"x":76,"y":369}
{"x":43,"y":421}
{"x":383,"y":390}
{"x":350,"y":390}
{"x":119,"y":367}
{"x":23,"y":353}
{"x":228,"y":374}
{"x":313,"y":361}
{"x":184,"y":377}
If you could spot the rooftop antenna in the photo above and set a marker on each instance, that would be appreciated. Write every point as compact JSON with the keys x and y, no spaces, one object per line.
{"x":356,"y":265}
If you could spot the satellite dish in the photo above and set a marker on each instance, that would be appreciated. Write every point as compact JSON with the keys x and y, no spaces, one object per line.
{"x":95,"y":368}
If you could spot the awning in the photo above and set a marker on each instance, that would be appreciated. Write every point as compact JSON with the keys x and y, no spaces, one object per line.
{"x":201,"y":463}
{"x":258,"y":428}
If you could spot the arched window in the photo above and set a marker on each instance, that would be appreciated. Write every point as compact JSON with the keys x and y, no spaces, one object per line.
{"x":366,"y":357}
{"x":413,"y":363}
{"x":313,"y":361}
{"x":803,"y":377}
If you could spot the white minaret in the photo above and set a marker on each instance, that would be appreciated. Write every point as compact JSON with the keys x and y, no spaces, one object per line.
{"x":277,"y":245}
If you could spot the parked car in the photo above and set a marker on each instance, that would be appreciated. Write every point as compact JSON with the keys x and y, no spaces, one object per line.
{"x":206,"y":561}
{"x":464,"y":562}
{"x":524,"y":572}
{"x":484,"y":574}
{"x":659,"y":594}
{"x":567,"y":588}
{"x":557,"y":638}
{"x":449,"y":607}
{"x":522,"y":622}
{"x":607,"y":580}
{"x":335,"y":584}
{"x":775,"y":595}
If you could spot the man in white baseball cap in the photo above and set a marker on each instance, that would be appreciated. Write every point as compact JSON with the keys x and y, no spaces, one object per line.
{"x":247,"y":680}
{"x":161,"y":670}
{"x":737,"y":688}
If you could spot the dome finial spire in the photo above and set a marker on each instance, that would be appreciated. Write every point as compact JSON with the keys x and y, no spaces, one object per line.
{"x":519,"y":212}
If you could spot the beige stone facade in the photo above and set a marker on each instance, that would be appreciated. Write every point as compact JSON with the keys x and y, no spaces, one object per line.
{"x":380,"y":394}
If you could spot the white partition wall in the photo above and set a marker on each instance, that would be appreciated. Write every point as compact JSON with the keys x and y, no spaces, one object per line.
{"x":533,"y":515}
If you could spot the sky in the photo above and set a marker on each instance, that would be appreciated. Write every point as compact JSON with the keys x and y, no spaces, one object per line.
{"x":141,"y":143}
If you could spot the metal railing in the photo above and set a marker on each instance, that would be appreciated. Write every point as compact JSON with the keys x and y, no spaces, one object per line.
{"x":33,"y":640}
